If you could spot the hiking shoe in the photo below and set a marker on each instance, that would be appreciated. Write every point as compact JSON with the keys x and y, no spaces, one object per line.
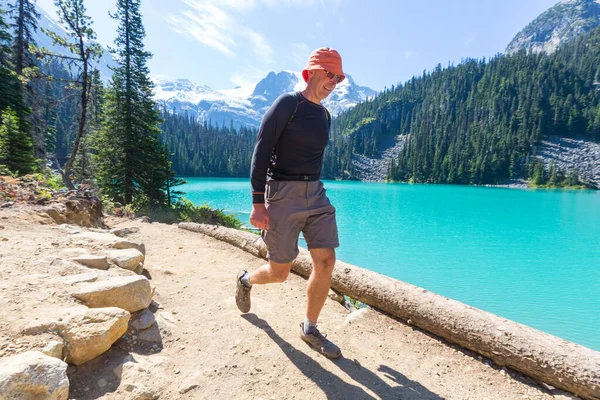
{"x":319,"y":342}
{"x":242,"y":294}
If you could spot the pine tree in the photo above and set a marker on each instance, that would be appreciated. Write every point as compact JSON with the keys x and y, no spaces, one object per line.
{"x":10,"y":88}
{"x":15,"y":145}
{"x":25,"y":18}
{"x":78,"y":25}
{"x":172,"y":180}
{"x":129,"y":145}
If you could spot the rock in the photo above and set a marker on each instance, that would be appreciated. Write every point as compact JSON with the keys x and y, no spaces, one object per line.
{"x":91,"y":261}
{"x":139,"y":269}
{"x":33,"y":375}
{"x":86,"y":332}
{"x":143,"y":320}
{"x":110,"y":240}
{"x":7,"y":204}
{"x":153,"y":334}
{"x":143,"y":378}
{"x":131,"y":293}
{"x":72,"y":279}
{"x":358,"y":315}
{"x":92,"y":333}
{"x":126,"y":258}
{"x":54,"y":348}
{"x":124,"y":244}
{"x":59,"y":266}
{"x":122,"y":232}
{"x":77,"y":209}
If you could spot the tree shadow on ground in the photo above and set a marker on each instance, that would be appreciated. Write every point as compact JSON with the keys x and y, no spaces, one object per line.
{"x":399,"y":387}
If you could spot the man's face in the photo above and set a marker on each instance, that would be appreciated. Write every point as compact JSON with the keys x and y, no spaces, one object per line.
{"x":324,"y":82}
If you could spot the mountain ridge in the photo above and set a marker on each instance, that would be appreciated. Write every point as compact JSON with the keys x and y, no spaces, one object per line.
{"x":559,"y":24}
{"x":244,"y":106}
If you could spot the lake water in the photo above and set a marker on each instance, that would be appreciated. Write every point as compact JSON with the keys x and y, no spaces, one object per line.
{"x":532,"y":256}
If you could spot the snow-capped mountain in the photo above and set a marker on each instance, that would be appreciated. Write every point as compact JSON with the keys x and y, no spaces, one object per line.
{"x":245,"y":106}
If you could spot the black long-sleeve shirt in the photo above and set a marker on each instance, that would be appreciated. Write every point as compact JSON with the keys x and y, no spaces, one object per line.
{"x":290,"y":143}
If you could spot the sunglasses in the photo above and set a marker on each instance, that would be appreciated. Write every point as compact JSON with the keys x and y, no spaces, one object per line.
{"x":331,"y":75}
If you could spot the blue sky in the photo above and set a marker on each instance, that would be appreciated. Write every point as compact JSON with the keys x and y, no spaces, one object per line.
{"x":228,"y":43}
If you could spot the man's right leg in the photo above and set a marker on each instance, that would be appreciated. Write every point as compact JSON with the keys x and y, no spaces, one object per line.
{"x":268,"y":273}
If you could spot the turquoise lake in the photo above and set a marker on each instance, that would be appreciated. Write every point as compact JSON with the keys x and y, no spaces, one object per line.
{"x":532,"y":256}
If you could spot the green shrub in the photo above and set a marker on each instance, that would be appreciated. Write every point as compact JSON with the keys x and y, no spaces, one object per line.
{"x":5,"y":172}
{"x":49,"y":180}
{"x":188,"y":212}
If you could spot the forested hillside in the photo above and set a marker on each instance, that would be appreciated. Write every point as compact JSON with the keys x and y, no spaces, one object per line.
{"x":477,"y":122}
{"x":204,"y":150}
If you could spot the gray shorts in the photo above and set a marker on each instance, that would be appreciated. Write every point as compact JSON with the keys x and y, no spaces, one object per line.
{"x":294,"y":207}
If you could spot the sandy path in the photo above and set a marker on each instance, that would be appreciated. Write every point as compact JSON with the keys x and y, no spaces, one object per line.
{"x":260,"y":355}
{"x":203,"y":348}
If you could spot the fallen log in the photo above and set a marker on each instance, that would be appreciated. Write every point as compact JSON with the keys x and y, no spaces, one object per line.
{"x":539,"y":355}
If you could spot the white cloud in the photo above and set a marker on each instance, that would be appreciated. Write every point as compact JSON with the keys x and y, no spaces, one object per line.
{"x":212,"y":23}
{"x":207,"y":24}
{"x":216,"y":28}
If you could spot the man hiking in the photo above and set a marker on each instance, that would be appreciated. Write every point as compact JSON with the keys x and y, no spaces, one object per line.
{"x":288,"y":196}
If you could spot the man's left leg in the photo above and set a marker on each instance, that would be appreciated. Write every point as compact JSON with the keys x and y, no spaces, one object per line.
{"x":319,"y":282}
{"x":317,"y":290}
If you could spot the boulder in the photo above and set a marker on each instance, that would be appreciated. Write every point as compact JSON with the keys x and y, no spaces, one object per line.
{"x":126,"y":258}
{"x":76,"y":208}
{"x":131,"y":293}
{"x":92,"y":261}
{"x":91,"y":333}
{"x":110,"y":240}
{"x":33,"y":375}
{"x":86,"y":332}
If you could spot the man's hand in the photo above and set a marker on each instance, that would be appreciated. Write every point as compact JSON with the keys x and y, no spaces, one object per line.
{"x":259,"y":216}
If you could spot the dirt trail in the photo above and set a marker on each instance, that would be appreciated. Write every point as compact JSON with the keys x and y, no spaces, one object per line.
{"x":202,"y":348}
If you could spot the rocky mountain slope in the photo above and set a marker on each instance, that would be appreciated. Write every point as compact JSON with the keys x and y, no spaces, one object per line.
{"x":245,"y":106}
{"x":557,"y":25}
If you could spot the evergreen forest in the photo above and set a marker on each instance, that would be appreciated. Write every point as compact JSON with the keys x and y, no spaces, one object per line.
{"x":477,"y":122}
